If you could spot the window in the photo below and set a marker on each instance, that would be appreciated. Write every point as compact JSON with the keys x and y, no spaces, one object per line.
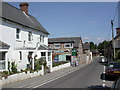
{"x":2,"y":55}
{"x":68,"y":45}
{"x":30,"y":36}
{"x":20,"y":55}
{"x":43,"y":39}
{"x":43,"y":54}
{"x":56,"y":45}
{"x":49,"y":56}
{"x":40,"y":38}
{"x":18,"y":33}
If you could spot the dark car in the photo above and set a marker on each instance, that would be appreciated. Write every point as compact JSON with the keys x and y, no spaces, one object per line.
{"x":113,"y":69}
{"x":116,"y":85}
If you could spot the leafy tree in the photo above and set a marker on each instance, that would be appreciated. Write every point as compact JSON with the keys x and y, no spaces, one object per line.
{"x":102,"y":47}
{"x":92,"y":46}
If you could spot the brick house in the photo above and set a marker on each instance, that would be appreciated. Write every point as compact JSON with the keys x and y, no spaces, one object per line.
{"x":64,"y":47}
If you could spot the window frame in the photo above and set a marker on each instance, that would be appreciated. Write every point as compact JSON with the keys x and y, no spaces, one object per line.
{"x":20,"y":53}
{"x":30,"y":36}
{"x":70,"y":44}
{"x":18,"y":33}
{"x":57,"y":44}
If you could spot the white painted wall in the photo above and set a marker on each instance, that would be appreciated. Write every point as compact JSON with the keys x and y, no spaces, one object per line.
{"x":8,"y":35}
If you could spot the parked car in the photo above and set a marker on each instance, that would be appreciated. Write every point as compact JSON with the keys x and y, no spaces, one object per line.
{"x":113,"y":69}
{"x":116,"y":85}
{"x":103,"y":60}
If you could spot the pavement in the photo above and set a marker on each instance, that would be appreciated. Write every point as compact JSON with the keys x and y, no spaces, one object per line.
{"x":40,"y":80}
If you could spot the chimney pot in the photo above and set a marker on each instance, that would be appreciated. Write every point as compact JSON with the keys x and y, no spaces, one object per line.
{"x":24,"y":7}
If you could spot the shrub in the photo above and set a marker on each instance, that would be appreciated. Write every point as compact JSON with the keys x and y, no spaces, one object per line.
{"x":5,"y":74}
{"x":13,"y":67}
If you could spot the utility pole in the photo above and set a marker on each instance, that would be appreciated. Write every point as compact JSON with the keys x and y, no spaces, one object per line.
{"x":113,"y":42}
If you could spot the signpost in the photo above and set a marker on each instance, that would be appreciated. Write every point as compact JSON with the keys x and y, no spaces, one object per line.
{"x":74,"y":61}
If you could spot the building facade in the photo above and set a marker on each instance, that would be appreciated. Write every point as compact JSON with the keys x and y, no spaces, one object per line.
{"x":25,"y":36}
{"x":64,"y":48}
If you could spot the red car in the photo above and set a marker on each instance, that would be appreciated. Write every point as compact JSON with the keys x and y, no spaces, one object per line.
{"x":113,"y":69}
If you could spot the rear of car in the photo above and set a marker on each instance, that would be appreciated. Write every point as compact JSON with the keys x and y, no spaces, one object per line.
{"x":113,"y":69}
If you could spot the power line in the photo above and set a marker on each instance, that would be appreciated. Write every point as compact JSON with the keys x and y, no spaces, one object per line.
{"x":115,"y":12}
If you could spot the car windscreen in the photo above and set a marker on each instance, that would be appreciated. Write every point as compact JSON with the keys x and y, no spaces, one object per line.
{"x":113,"y":65}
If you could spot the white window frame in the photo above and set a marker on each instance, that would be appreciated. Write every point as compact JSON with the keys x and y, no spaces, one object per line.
{"x":30,"y":36}
{"x":42,"y":38}
{"x":20,"y":53}
{"x":18,"y":34}
{"x":71,"y":45}
{"x":57,"y":44}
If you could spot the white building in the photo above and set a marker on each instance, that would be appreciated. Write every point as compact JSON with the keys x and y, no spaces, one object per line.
{"x":22,"y":38}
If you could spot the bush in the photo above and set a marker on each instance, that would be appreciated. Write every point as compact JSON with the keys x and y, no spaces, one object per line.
{"x":13,"y":67}
{"x":38,"y":63}
{"x":5,"y":74}
{"x":26,"y":70}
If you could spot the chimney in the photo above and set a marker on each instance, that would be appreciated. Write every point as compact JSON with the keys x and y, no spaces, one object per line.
{"x":24,"y":7}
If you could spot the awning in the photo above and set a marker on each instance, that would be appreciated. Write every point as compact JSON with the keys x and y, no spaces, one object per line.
{"x":4,"y":45}
{"x":25,"y":48}
{"x":44,"y":47}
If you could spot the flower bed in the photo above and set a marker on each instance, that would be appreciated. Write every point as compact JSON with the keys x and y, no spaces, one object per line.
{"x":21,"y":76}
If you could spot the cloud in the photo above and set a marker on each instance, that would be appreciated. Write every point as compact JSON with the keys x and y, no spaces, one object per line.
{"x":99,"y":39}
{"x":86,"y":38}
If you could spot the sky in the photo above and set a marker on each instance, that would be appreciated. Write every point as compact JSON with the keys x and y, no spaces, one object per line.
{"x":89,"y":20}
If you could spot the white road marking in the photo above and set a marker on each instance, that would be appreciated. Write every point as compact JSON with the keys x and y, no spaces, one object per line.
{"x":104,"y":76}
{"x":54,"y":79}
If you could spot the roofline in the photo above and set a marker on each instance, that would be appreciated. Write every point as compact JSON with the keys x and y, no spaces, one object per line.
{"x":19,"y":23}
{"x":61,"y":42}
{"x":25,"y":26}
{"x":65,"y":37}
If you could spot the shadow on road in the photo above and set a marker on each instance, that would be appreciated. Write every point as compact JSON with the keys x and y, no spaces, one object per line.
{"x":103,"y":76}
{"x":98,"y":87}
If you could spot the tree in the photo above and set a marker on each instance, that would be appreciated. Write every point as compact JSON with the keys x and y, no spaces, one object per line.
{"x":92,"y":46}
{"x":102,"y":47}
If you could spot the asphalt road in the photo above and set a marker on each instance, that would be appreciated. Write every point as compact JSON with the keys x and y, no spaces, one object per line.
{"x":86,"y":77}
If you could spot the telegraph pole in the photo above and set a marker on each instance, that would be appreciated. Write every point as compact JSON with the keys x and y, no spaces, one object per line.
{"x":113,"y":42}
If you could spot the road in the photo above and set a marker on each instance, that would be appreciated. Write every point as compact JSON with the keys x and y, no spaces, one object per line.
{"x":85,"y":77}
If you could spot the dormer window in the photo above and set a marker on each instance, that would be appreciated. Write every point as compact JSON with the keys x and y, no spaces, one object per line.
{"x":17,"y":33}
{"x":30,"y":36}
